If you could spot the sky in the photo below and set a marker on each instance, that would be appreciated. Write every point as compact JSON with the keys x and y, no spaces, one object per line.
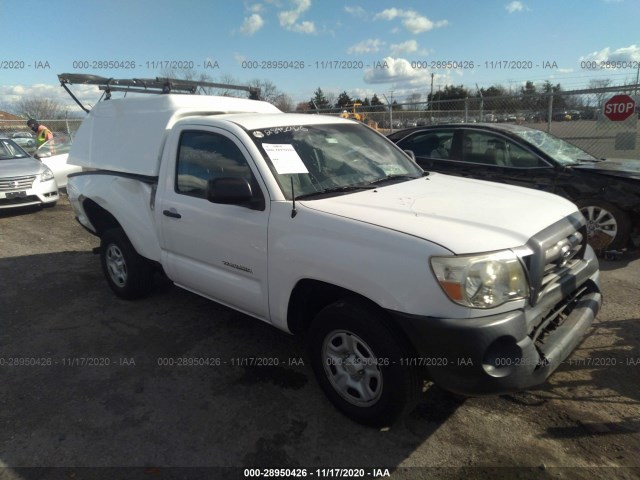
{"x":393,"y":49}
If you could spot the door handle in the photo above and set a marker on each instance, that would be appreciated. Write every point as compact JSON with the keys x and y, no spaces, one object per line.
{"x":171,"y":213}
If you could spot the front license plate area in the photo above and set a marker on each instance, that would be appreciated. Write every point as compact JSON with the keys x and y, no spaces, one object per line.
{"x":19,"y":194}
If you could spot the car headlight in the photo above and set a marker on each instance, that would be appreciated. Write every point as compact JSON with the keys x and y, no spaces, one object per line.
{"x":46,"y":175}
{"x":482,"y":281}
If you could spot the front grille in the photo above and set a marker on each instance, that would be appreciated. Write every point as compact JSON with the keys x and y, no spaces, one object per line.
{"x":19,"y":200}
{"x":16,"y":183}
{"x":559,"y":258}
{"x":554,"y":253}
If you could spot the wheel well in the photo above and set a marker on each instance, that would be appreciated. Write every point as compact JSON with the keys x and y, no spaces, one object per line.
{"x":311,"y":296}
{"x":100,"y":218}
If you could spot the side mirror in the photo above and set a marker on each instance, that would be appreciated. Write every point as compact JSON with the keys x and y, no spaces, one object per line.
{"x":229,"y":191}
{"x":411,"y":154}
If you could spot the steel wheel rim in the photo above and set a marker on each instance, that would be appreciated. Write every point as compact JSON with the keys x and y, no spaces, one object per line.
{"x":116,"y":265}
{"x":600,"y":220}
{"x":351,"y":367}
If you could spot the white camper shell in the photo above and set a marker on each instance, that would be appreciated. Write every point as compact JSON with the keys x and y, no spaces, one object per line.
{"x":128,"y":135}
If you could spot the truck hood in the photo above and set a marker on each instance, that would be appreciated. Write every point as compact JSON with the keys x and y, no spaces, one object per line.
{"x":20,"y":166}
{"x":617,"y":167}
{"x":460,"y":214}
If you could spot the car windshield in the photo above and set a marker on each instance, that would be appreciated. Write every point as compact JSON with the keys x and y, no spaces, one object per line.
{"x":318,"y":160}
{"x":9,"y":150}
{"x":560,"y":150}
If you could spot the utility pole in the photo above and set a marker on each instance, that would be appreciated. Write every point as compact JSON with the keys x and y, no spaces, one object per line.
{"x":431,"y":94}
{"x":390,"y":109}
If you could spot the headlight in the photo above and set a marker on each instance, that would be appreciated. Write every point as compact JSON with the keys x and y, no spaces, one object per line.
{"x":46,"y":175}
{"x":482,"y":281}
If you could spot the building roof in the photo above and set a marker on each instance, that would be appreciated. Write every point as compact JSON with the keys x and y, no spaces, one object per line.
{"x":9,"y":116}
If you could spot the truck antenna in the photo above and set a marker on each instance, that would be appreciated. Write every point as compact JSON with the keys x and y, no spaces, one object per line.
{"x":294,"y":212}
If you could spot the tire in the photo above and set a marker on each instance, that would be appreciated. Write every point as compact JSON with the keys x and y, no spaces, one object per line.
{"x":128,"y":274}
{"x":607,"y":226}
{"x":356,"y":358}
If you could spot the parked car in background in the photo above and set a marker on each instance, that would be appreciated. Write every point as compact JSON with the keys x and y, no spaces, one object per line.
{"x":606,"y":191}
{"x":53,"y":154}
{"x":24,"y":139}
{"x":24,"y":180}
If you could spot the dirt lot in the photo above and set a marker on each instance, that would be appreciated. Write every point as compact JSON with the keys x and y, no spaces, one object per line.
{"x":85,"y":383}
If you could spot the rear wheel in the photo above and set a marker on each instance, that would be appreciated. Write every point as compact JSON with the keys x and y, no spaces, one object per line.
{"x":607,"y":226}
{"x":128,"y":274}
{"x":360,"y":363}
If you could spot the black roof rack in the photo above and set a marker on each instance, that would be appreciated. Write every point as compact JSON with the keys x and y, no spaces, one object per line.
{"x":158,"y":85}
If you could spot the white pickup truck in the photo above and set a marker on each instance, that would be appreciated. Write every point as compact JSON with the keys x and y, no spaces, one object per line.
{"x":320,"y":225}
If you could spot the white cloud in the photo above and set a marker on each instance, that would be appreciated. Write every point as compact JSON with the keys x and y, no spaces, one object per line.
{"x":357,"y":12}
{"x":624,"y":54}
{"x":412,"y":20}
{"x":515,"y":6}
{"x":423,"y":24}
{"x":256,"y":8}
{"x":371,"y":45}
{"x":252,"y":24}
{"x":289,"y":18}
{"x":388,"y":14}
{"x":404,"y":79}
{"x":394,"y":70}
{"x":304,"y":27}
{"x":409,"y":46}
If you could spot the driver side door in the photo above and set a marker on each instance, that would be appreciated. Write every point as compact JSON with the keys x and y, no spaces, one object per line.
{"x":216,"y":250}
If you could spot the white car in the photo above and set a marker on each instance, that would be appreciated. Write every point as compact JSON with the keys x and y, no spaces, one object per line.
{"x":53,"y":154}
{"x":24,"y":180}
{"x":25,"y":139}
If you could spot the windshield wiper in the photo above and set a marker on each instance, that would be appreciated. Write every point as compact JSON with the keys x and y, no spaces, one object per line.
{"x":396,"y":177}
{"x":342,"y":189}
{"x":589,"y":160}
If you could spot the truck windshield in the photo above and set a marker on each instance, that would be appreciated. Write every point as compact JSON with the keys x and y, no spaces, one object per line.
{"x":331,"y":158}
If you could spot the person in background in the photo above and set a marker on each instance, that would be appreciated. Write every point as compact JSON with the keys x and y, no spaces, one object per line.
{"x":43,"y":134}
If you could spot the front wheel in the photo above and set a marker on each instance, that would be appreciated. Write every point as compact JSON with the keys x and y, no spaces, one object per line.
{"x":361,"y":363}
{"x":128,"y":274}
{"x":607,"y":226}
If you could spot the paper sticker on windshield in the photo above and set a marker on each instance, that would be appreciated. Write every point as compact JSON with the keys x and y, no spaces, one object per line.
{"x":285,"y":158}
{"x":393,"y":170}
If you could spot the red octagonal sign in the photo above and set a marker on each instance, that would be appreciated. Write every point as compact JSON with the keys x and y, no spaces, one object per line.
{"x":619,"y":108}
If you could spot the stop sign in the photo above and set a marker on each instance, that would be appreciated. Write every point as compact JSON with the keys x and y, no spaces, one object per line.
{"x":619,"y":107}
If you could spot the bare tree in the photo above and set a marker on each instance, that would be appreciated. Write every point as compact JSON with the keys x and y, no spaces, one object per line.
{"x":268,"y":91}
{"x":40,"y":108}
{"x":181,"y":74}
{"x":600,"y":83}
{"x":284,"y":102}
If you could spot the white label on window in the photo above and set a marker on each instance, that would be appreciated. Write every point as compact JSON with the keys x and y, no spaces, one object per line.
{"x":285,"y":158}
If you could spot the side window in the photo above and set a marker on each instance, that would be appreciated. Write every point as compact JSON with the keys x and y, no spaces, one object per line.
{"x":433,"y":144}
{"x":489,"y":149}
{"x":204,"y":156}
{"x":521,"y":158}
{"x":482,"y":148}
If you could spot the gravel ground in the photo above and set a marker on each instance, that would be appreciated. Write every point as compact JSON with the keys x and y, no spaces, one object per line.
{"x":120,"y":407}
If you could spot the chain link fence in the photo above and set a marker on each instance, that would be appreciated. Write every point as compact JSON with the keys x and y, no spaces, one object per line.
{"x":576,"y":116}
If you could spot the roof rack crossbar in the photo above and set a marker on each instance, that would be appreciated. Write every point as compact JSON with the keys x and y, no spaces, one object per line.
{"x":158,"y":85}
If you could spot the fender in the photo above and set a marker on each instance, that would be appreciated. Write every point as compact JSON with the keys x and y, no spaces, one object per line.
{"x":128,"y":198}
